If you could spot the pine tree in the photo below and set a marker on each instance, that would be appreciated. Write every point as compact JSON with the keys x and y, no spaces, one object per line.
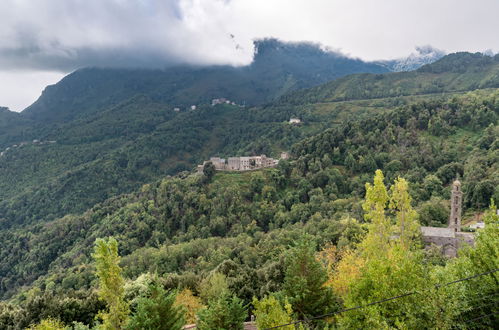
{"x":225,"y":312}
{"x":158,"y":311}
{"x":304,"y":283}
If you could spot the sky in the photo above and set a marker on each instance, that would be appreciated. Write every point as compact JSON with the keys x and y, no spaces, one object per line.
{"x":43,"y":40}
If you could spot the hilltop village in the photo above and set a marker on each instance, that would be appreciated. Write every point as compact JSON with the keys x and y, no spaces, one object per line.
{"x":242,"y":163}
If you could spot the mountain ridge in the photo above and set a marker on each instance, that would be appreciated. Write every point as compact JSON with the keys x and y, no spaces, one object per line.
{"x":278,"y":67}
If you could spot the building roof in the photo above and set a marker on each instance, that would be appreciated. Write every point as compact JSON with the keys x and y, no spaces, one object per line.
{"x":437,"y":231}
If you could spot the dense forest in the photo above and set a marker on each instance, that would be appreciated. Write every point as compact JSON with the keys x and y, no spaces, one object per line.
{"x":105,"y":224}
{"x":101,"y":154}
{"x":305,"y":239}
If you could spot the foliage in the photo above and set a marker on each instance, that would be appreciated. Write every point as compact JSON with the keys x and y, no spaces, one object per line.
{"x":48,"y":324}
{"x":157,"y":311}
{"x":235,"y":231}
{"x":387,"y":266}
{"x":111,"y":283}
{"x":304,"y":283}
{"x":223,"y":312}
{"x":269,"y":312}
{"x":213,"y":287}
{"x":191,"y":304}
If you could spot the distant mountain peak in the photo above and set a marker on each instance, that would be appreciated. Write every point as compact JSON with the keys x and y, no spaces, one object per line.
{"x":273,"y":46}
{"x":423,"y":55}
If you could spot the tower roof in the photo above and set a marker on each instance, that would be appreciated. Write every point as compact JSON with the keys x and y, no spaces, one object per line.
{"x":456,"y":182}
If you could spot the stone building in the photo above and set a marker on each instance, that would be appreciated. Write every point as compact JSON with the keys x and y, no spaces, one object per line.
{"x":240,"y":163}
{"x":450,"y":239}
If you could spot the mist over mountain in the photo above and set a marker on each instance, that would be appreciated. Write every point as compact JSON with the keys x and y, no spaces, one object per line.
{"x":423,"y":55}
{"x":278,"y":67}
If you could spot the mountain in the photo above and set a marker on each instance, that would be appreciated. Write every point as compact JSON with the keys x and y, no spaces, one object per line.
{"x":277,"y":68}
{"x":183,"y":228}
{"x":424,"y":55}
{"x":78,"y":163}
{"x":458,"y":72}
{"x":123,"y":166}
{"x":14,"y":128}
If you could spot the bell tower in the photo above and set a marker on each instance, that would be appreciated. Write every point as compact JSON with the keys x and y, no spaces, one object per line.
{"x":455,"y":206}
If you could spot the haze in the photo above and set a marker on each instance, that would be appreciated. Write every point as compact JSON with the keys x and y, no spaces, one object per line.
{"x":44,"y":40}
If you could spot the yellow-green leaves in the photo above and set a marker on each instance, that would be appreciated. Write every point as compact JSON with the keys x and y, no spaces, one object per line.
{"x":374,"y":208}
{"x":270,"y":313}
{"x":111,"y":283}
{"x":400,"y":201}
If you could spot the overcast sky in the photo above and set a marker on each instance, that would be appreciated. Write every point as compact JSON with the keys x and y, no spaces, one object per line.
{"x":42,"y":40}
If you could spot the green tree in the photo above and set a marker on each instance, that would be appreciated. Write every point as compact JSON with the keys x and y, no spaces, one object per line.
{"x":48,"y":324}
{"x":209,"y":171}
{"x":270,"y":313}
{"x":213,"y":287}
{"x":157,"y":311}
{"x":226,"y":312}
{"x":304,"y":283}
{"x":374,"y":211}
{"x":478,"y":295}
{"x":386,"y":266}
{"x":400,"y":201}
{"x":111,"y":283}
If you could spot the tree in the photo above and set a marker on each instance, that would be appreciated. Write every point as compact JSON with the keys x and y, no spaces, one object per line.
{"x":387,"y":263}
{"x":192,"y":304}
{"x":478,"y":295}
{"x":400,"y":201}
{"x":209,"y":171}
{"x":111,"y":283}
{"x":304,"y":283}
{"x":158,"y":311}
{"x":214,"y":286}
{"x":224,"y":312}
{"x":374,"y":207}
{"x":48,"y":324}
{"x":270,"y":313}
{"x":434,"y":212}
{"x":350,"y":163}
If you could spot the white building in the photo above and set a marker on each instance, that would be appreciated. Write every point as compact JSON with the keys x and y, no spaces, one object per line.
{"x":294,"y":121}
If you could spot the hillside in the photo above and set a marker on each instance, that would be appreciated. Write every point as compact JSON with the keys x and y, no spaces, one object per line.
{"x":119,"y":148}
{"x":277,"y":68}
{"x":241,"y":224}
{"x":457,"y":72}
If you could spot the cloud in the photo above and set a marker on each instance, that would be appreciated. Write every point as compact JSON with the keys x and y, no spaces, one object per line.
{"x":67,"y":34}
{"x":18,"y":89}
{"x":58,"y":36}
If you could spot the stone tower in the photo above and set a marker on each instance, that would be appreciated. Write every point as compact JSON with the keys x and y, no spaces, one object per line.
{"x":455,"y":206}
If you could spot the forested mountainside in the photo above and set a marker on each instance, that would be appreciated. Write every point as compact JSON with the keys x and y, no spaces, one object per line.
{"x":75,"y":164}
{"x":453,"y":73}
{"x":278,"y":67}
{"x":233,"y":231}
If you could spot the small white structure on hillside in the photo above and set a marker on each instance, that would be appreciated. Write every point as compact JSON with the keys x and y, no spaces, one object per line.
{"x":294,"y":121}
